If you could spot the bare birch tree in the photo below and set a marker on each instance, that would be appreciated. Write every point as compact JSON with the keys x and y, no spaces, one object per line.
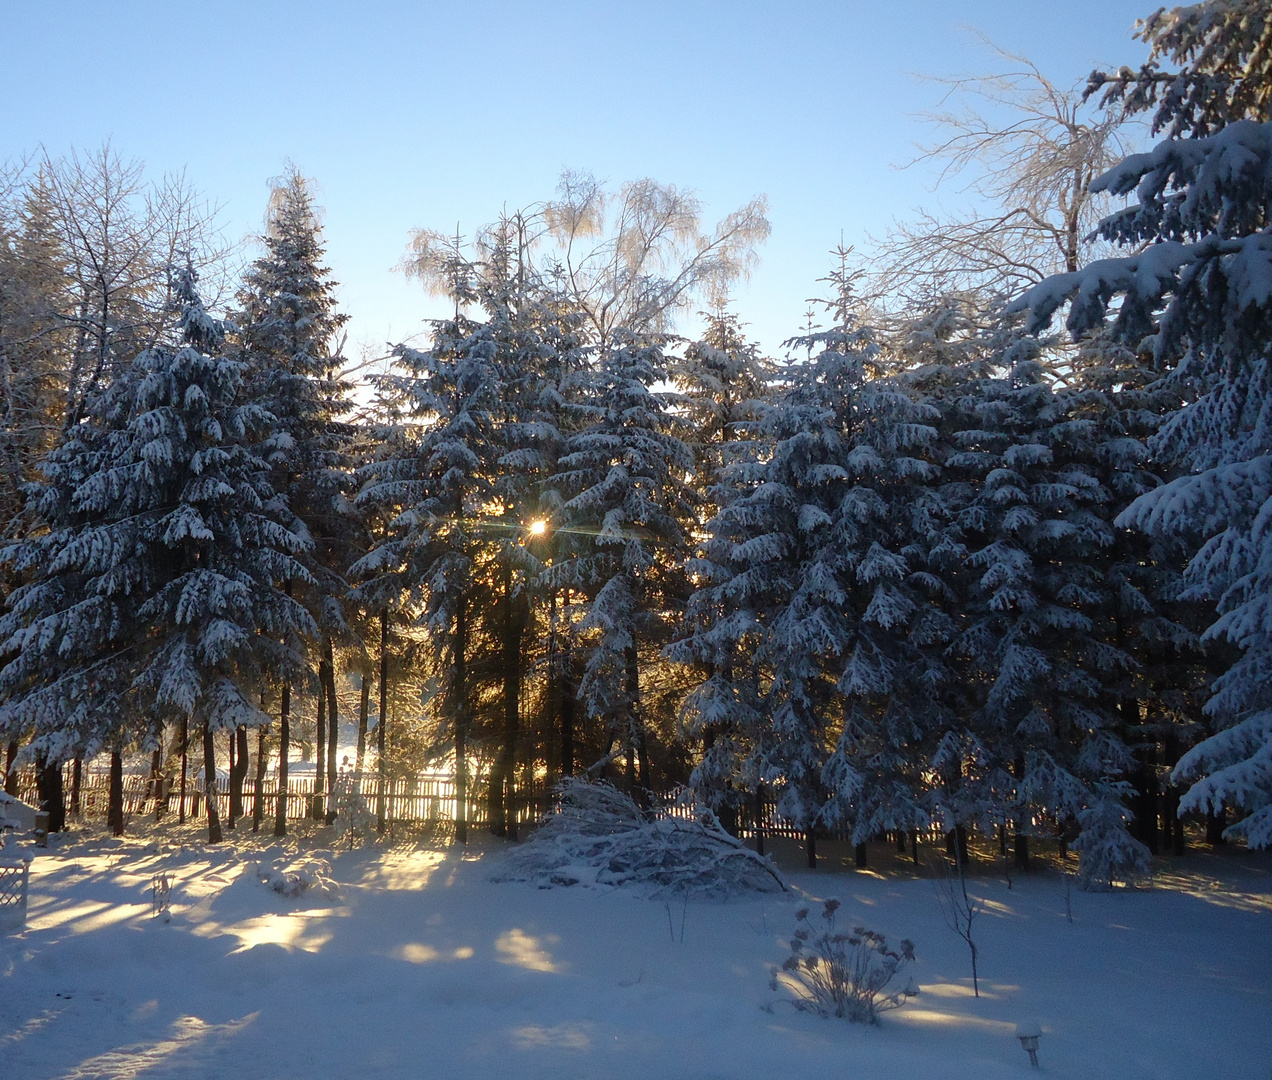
{"x":33,"y":291}
{"x":120,"y":235}
{"x":632,"y":258}
{"x":1027,"y":150}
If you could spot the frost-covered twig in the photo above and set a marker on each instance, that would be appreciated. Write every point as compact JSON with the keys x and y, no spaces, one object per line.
{"x":844,"y":975}
{"x":960,"y":909}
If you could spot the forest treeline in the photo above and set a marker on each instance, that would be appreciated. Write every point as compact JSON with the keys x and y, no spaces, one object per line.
{"x":940,"y":566}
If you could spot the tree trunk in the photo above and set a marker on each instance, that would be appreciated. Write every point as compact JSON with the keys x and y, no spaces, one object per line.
{"x":1215,"y":825}
{"x":1147,"y":794}
{"x":728,"y":818}
{"x":1172,"y":826}
{"x":364,"y":708}
{"x":333,"y":731}
{"x":501,"y":796}
{"x":156,"y":783}
{"x":861,"y":856}
{"x":569,"y":700}
{"x":552,"y":696}
{"x":258,"y":798}
{"x":1178,"y":843}
{"x":1022,"y":851}
{"x":242,"y":760}
{"x":10,"y":772}
{"x":646,"y":770}
{"x":318,"y":800}
{"x":810,"y":846}
{"x":115,"y":800}
{"x":209,"y":784}
{"x":236,"y":792}
{"x":48,"y":786}
{"x":185,"y":766}
{"x":459,"y":707}
{"x":759,"y":819}
{"x":914,"y":846}
{"x":152,"y":778}
{"x":636,"y":735}
{"x":284,"y":749}
{"x":77,"y":777}
{"x":381,"y":762}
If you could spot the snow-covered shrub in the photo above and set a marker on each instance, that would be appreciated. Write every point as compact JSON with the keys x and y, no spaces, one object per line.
{"x":354,"y":818}
{"x":598,"y":836}
{"x":1108,"y":853}
{"x":844,"y":975}
{"x":307,"y":876}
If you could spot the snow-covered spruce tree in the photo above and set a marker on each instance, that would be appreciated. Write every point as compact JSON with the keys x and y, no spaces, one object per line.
{"x":1200,"y":288}
{"x":434,"y":493}
{"x":551,"y":417}
{"x":288,"y":329}
{"x":533,"y":350}
{"x":1114,"y":402}
{"x":625,"y":501}
{"x":778,"y":586}
{"x":723,"y":380}
{"x":155,"y":593}
{"x":771,"y":615}
{"x":1032,"y":641}
{"x":888,"y":529}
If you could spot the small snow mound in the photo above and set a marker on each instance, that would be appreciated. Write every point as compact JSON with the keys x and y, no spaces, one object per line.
{"x":300,"y":877}
{"x":597,"y":837}
{"x":15,"y":814}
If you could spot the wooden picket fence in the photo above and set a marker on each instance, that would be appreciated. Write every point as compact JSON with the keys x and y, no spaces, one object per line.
{"x":424,"y":799}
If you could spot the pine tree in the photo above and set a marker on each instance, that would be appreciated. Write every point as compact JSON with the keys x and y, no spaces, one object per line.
{"x":530,"y":343}
{"x":724,"y":382}
{"x":288,"y":338}
{"x":625,"y":501}
{"x":870,"y":530}
{"x":434,"y":493}
{"x":1203,"y":199}
{"x":1114,"y":403}
{"x":154,"y":595}
{"x":1033,"y":644}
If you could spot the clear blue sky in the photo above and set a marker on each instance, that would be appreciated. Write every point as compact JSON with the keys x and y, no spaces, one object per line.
{"x":414,"y":114}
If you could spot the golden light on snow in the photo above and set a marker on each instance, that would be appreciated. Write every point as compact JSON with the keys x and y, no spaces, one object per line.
{"x":517,"y":947}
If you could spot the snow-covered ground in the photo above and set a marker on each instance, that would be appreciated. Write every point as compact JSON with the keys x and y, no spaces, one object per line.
{"x":423,"y":967}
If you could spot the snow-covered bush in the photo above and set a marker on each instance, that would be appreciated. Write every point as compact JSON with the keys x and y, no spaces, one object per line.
{"x":844,"y":975}
{"x":306,"y":876}
{"x":598,"y":836}
{"x":1108,"y":853}
{"x":354,"y":818}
